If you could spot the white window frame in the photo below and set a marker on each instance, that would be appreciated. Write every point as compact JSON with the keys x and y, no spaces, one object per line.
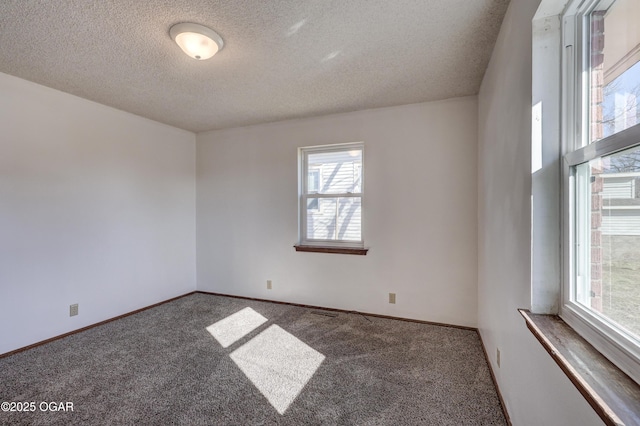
{"x":303,"y":155}
{"x":319,"y":171}
{"x":619,"y":347}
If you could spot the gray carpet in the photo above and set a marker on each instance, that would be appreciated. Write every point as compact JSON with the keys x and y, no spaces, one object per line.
{"x":163,"y":366}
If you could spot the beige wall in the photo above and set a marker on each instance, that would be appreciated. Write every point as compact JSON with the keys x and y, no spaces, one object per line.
{"x":97,"y":207}
{"x":535,"y":390}
{"x":419,"y":213}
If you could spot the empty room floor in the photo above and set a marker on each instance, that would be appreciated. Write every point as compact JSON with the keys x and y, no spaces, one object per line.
{"x":206,"y":359}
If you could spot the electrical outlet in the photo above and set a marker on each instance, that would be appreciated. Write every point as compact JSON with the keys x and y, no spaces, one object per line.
{"x":498,"y":357}
{"x":73,"y":310}
{"x":268,"y":284}
{"x":392,"y":298}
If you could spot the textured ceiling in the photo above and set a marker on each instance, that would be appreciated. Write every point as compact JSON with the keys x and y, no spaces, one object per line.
{"x":282,"y":58}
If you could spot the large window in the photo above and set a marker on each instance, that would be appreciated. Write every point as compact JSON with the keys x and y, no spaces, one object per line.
{"x":602,"y":170}
{"x":331,"y":181}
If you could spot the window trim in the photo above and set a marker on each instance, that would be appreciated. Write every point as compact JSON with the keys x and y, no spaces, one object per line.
{"x":606,"y":338}
{"x":319,"y":171}
{"x":612,"y":394}
{"x":303,"y":154}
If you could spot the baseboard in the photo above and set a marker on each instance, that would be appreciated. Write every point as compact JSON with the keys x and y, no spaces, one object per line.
{"x":495,"y":382}
{"x":61,"y":336}
{"x":462,"y":327}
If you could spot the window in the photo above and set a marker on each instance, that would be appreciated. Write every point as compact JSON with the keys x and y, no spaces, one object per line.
{"x":602,"y":177}
{"x":331,"y":180}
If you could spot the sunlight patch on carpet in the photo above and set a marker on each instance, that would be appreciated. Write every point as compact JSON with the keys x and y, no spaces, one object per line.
{"x":278,"y":364}
{"x":229,"y":330}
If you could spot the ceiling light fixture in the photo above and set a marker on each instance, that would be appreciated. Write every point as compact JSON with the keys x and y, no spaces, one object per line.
{"x":195,"y":40}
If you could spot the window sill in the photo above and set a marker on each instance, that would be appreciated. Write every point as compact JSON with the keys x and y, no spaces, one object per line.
{"x":336,"y":250}
{"x":613,"y":395}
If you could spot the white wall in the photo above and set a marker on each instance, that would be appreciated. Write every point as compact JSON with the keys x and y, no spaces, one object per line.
{"x":97,"y":207}
{"x":535,"y":389}
{"x":419,"y":213}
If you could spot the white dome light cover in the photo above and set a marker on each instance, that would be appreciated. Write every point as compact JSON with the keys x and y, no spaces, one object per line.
{"x":195,"y":40}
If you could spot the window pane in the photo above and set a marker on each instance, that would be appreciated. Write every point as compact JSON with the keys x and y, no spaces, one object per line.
{"x":313,"y":180}
{"x":313,"y":204}
{"x":339,"y":172}
{"x":615,"y":68}
{"x":334,"y":218}
{"x":608,"y":237}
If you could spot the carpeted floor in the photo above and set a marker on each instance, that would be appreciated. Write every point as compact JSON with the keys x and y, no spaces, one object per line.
{"x":193,"y":362}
